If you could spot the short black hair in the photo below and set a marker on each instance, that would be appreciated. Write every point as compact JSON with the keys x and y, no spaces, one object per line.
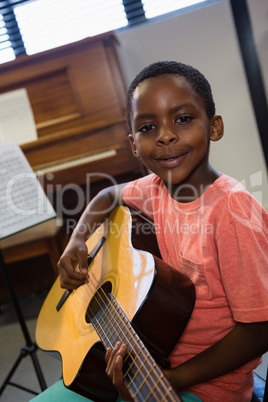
{"x":196,"y":79}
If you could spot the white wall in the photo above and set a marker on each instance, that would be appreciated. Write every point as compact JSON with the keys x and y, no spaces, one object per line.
{"x":205,"y":37}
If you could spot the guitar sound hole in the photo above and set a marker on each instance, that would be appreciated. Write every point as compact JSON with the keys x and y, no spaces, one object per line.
{"x":100,"y":299}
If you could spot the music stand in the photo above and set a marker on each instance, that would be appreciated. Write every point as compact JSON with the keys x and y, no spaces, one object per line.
{"x":21,"y":197}
{"x":29,"y":349}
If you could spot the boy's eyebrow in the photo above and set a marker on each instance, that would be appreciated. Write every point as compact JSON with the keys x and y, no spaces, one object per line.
{"x":143,"y":116}
{"x":179,"y":107}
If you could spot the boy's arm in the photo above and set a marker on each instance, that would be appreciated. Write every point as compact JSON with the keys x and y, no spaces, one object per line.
{"x":76,"y":251}
{"x":245,"y":342}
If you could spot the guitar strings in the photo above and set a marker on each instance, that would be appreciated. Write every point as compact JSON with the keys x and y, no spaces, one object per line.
{"x":108,"y":342}
{"x":104,"y":298}
{"x":134,"y":362}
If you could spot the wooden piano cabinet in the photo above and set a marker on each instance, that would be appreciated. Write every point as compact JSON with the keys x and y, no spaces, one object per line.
{"x":73,"y":88}
{"x":77,"y":94}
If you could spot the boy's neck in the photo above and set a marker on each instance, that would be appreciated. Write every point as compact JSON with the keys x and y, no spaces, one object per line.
{"x":192,"y":189}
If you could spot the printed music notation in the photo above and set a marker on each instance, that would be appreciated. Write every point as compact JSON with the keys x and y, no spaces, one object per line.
{"x":23,"y":202}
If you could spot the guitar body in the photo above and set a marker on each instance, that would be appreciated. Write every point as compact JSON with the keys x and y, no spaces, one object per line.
{"x":157,"y":299}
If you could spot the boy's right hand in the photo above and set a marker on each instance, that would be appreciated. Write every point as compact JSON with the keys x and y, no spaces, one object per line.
{"x":74,"y":256}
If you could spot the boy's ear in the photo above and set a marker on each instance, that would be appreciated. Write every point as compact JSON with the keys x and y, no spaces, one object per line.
{"x":216,"y":128}
{"x":133,"y":145}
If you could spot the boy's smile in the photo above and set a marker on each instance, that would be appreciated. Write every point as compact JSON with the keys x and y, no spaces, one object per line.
{"x":171,"y":131}
{"x":170,"y":161}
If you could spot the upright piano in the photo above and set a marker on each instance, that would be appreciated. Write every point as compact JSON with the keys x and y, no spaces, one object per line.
{"x":77,"y":94}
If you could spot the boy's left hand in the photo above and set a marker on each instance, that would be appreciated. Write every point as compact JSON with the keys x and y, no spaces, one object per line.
{"x":114,"y":359}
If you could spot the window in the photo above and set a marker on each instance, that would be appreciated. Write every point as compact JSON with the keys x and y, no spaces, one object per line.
{"x":32,"y":26}
{"x":154,"y":8}
{"x":45,"y":24}
{"x":6,"y":51}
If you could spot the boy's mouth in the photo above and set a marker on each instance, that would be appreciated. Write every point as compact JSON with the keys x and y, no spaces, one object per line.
{"x":171,"y":160}
{"x":169,"y":157}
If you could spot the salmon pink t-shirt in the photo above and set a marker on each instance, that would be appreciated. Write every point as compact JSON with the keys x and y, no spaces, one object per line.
{"x":220,"y":241}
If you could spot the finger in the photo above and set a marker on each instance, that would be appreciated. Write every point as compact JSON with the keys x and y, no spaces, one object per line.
{"x":118,"y":378}
{"x":118,"y":371}
{"x":111,"y":359}
{"x":115,"y":359}
{"x":70,"y":279}
{"x":70,"y":284}
{"x":108,"y":355}
{"x":118,"y":366}
{"x":82,"y":257}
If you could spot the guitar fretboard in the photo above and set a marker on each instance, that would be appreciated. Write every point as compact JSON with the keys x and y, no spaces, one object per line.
{"x":142,"y":376}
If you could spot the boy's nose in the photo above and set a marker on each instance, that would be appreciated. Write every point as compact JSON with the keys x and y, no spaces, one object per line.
{"x":166,"y":136}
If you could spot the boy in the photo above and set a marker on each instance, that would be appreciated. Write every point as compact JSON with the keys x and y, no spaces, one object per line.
{"x":210,"y":228}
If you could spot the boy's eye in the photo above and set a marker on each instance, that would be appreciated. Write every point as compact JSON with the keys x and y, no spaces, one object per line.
{"x":184,"y":119}
{"x":146,"y":127}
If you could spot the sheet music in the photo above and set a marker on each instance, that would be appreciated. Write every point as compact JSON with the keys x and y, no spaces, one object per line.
{"x":23,"y":202}
{"x":16,"y":118}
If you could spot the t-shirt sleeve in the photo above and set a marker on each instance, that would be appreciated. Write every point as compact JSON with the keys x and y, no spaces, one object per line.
{"x":242,"y":245}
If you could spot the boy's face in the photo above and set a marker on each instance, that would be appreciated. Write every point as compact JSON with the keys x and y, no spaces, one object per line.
{"x":171,"y":130}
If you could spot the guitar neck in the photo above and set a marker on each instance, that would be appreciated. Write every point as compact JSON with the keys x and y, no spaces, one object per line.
{"x":142,"y":376}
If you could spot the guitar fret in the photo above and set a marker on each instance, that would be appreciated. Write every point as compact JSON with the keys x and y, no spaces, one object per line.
{"x":138,"y":352}
{"x":109,"y":337}
{"x":158,"y":389}
{"x":106,"y":327}
{"x":142,"y":373}
{"x":100,"y":326}
{"x":118,"y":323}
{"x":143,"y":383}
{"x":128,"y":337}
{"x":166,"y":394}
{"x":122,"y":323}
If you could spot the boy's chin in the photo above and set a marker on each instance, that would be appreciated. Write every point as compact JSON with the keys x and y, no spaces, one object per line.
{"x":173,"y":179}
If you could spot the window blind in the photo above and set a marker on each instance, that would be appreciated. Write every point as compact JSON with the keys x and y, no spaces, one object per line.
{"x":32,"y":26}
{"x":54,"y":23}
{"x":155,"y":8}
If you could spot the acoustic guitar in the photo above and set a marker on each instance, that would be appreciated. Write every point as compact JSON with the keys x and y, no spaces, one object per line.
{"x":133,"y":297}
